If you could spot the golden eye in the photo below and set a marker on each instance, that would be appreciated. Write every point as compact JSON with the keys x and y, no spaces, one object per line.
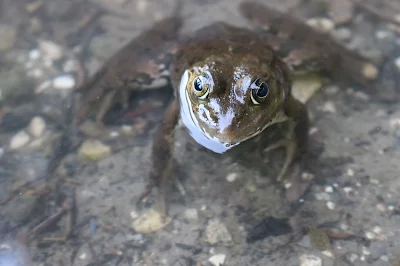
{"x":259,"y":91}
{"x":200,"y":87}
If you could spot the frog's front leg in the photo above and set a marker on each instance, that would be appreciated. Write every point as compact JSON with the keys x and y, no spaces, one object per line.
{"x":162,"y":161}
{"x":297,"y":140}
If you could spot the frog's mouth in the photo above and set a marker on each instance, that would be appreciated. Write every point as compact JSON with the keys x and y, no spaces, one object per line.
{"x":199,"y":134}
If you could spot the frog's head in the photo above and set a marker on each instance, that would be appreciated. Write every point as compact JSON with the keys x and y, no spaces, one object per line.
{"x":227,"y":99}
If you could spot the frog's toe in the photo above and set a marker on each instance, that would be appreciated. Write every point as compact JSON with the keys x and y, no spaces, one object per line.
{"x":291,"y":149}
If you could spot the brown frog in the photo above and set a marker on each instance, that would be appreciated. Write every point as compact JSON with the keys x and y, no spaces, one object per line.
{"x":231,"y":85}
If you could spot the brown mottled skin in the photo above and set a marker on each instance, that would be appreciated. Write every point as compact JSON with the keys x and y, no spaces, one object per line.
{"x":232,"y":65}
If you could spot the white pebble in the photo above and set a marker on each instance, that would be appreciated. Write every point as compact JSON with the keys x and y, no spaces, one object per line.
{"x":191,"y":214}
{"x":114,"y":134}
{"x":347,"y":190}
{"x":397,"y":63}
{"x":37,"y":126}
{"x":328,"y":189}
{"x":321,"y":24}
{"x":353,"y":257}
{"x":217,"y":260}
{"x":19,"y":140}
{"x":232,"y":177}
{"x":34,"y":54}
{"x":134,"y":215}
{"x":377,"y":230}
{"x":310,"y":260}
{"x":43,"y":86}
{"x":329,"y":107}
{"x":369,"y":235}
{"x":331,"y":205}
{"x":327,"y":253}
{"x":366,"y":251}
{"x":82,"y":256}
{"x":384,"y":258}
{"x":350,"y":172}
{"x":50,"y":49}
{"x":66,"y":82}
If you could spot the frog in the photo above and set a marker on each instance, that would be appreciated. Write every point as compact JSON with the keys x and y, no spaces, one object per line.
{"x":232,"y":86}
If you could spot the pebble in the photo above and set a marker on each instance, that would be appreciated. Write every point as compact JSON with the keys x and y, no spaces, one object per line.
{"x":217,"y":260}
{"x":191,"y":214}
{"x":34,"y":54}
{"x":397,"y":63}
{"x":328,"y":189}
{"x":93,"y":150}
{"x":331,"y":205}
{"x":43,"y":86}
{"x":232,"y":177}
{"x":37,"y":126}
{"x":310,"y":260}
{"x":342,"y":34}
{"x":217,"y":232}
{"x":369,"y":71}
{"x":329,"y":107}
{"x":321,"y":24}
{"x":347,"y":190}
{"x":65,"y":82}
{"x":369,"y":235}
{"x":19,"y":140}
{"x":8,"y":38}
{"x":150,"y":221}
{"x":50,"y":50}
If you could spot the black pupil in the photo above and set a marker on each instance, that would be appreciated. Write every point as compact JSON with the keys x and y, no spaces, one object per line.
{"x":198,"y":84}
{"x":262,"y":90}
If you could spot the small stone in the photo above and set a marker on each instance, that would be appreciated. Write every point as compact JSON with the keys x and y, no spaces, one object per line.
{"x":319,"y":239}
{"x":126,"y":129}
{"x":191,"y":214}
{"x":34,"y":54}
{"x":43,"y":86}
{"x":370,"y":72}
{"x":321,"y":24}
{"x":217,"y":260}
{"x":331,"y":205}
{"x":217,"y":232}
{"x":65,"y":82}
{"x":397,"y":63}
{"x":347,"y":190}
{"x":94,"y":150}
{"x":50,"y":49}
{"x":310,"y":260}
{"x":377,"y":230}
{"x":370,"y":235}
{"x":353,"y":257}
{"x":384,"y":258}
{"x":328,"y":189}
{"x":327,"y":253}
{"x":329,"y":107}
{"x":37,"y":126}
{"x":8,"y":38}
{"x":342,"y":34}
{"x":150,"y":221}
{"x":134,"y":215}
{"x":232,"y":177}
{"x":305,"y":85}
{"x":350,"y":172}
{"x":19,"y":140}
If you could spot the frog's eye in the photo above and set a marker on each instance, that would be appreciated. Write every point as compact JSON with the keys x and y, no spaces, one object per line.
{"x":200,"y":88}
{"x":259,"y":91}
